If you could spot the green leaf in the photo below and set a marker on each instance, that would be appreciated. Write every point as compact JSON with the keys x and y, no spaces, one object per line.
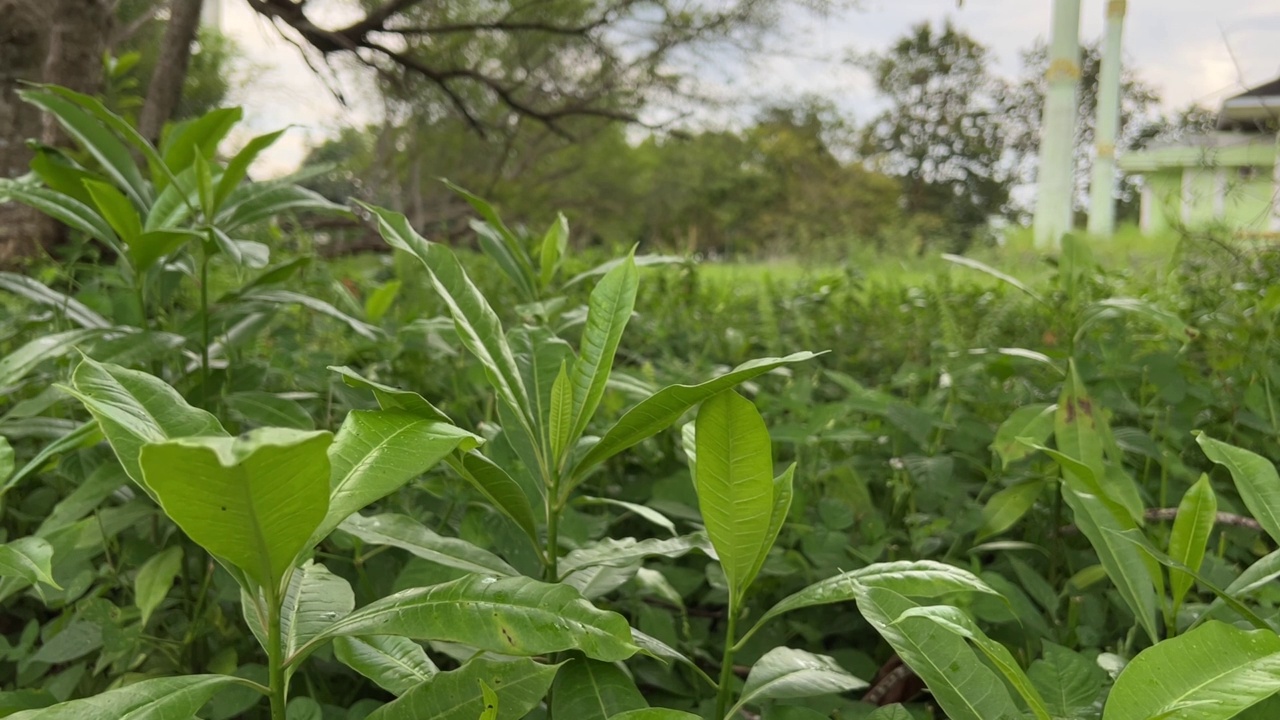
{"x":1034,"y":422}
{"x":238,"y":167}
{"x":147,"y":248}
{"x":117,"y":210}
{"x":29,"y":558}
{"x":396,"y":664}
{"x":963,"y":685}
{"x":1079,"y":429}
{"x":1068,"y":681}
{"x":593,"y":690}
{"x":475,"y":321}
{"x":491,"y":702}
{"x":264,"y":409}
{"x":782,"y":494}
{"x":259,"y":201}
{"x":1255,"y":478}
{"x":253,"y":500}
{"x":390,"y":398}
{"x":458,"y":694}
{"x":154,"y":579}
{"x":17,"y":364}
{"x":1125,"y":565}
{"x":102,"y":144}
{"x":1189,"y":537}
{"x":988,"y":270}
{"x":171,"y":698}
{"x":642,"y":511}
{"x":610,"y":552}
{"x":785,"y":673}
{"x":500,"y":488}
{"x":197,"y":139}
{"x":83,"y":436}
{"x":499,"y":243}
{"x":660,"y":410}
{"x":33,"y":290}
{"x":512,"y":616}
{"x":67,"y":210}
{"x":554,"y":244}
{"x":314,"y":600}
{"x":288,"y":297}
{"x":734,"y":480}
{"x":6,"y":459}
{"x":376,"y":452}
{"x":560,"y":423}
{"x":608,"y":311}
{"x":1212,"y":672}
{"x":955,"y":620}
{"x":891,"y":712}
{"x":134,"y":408}
{"x":655,"y":714}
{"x":1004,"y":509}
{"x":380,"y":300}
{"x":408,"y":534}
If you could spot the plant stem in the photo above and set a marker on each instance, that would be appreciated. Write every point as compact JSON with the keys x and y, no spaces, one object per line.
{"x":550,"y":570}
{"x":726,"y":662}
{"x":275,"y":659}
{"x":204,"y":329}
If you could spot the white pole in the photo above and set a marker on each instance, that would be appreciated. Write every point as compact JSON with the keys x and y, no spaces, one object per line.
{"x":1054,"y":184}
{"x":1102,"y":203}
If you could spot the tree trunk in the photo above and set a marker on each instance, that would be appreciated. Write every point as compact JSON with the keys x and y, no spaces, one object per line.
{"x":23,"y":47}
{"x":171,"y":67}
{"x":51,"y":41}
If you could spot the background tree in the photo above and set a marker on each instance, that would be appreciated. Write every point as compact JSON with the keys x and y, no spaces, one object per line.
{"x":941,"y":134}
{"x":1024,"y":108}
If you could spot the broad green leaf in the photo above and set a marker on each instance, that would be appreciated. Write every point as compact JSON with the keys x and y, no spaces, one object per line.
{"x":1136,"y":539}
{"x":1125,"y":564}
{"x":147,"y":248}
{"x":288,"y":297}
{"x":408,"y":534}
{"x":785,"y":673}
{"x":500,"y":488}
{"x":956,"y":621}
{"x":1006,"y":508}
{"x":1034,"y":422}
{"x":963,"y":685}
{"x":512,"y":616}
{"x":475,"y":321}
{"x":560,"y":422}
{"x":303,"y":708}
{"x":610,"y":552}
{"x":1256,"y":576}
{"x":31,"y":289}
{"x":554,"y":244}
{"x":735,"y":484}
{"x":396,"y":664}
{"x":171,"y":698}
{"x":592,"y":690}
{"x":85,"y":435}
{"x":782,"y":494}
{"x":61,"y":174}
{"x":154,"y":579}
{"x":539,"y":354}
{"x":16,"y":365}
{"x":29,"y":558}
{"x":69,"y":211}
{"x":264,"y":409}
{"x":380,"y":300}
{"x":608,"y":311}
{"x":116,"y":209}
{"x":377,"y":451}
{"x":596,"y":581}
{"x":6,"y":459}
{"x":891,"y":712}
{"x":491,"y":702}
{"x":102,"y":144}
{"x":1255,"y":478}
{"x":655,"y":714}
{"x":660,"y":410}
{"x":1068,"y":681}
{"x":912,"y":579}
{"x":253,"y":500}
{"x":390,"y":398}
{"x":1079,"y":430}
{"x":1189,"y":537}
{"x":134,"y":408}
{"x":314,"y":600}
{"x":254,"y":202}
{"x":198,"y":138}
{"x":499,"y":243}
{"x":238,"y":167}
{"x":1113,"y":307}
{"x":642,"y":511}
{"x":458,"y":694}
{"x":1212,"y":672}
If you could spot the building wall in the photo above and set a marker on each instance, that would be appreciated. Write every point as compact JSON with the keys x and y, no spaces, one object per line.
{"x":1197,"y":196}
{"x":1162,"y":199}
{"x":1249,"y":198}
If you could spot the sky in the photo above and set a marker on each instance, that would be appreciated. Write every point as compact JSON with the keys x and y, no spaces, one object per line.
{"x":1189,"y":50}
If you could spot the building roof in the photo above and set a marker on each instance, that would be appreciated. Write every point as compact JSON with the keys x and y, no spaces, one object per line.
{"x":1253,"y":110}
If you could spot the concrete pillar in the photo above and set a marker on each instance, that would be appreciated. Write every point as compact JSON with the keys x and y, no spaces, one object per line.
{"x":1102,"y":187}
{"x":1054,"y":182}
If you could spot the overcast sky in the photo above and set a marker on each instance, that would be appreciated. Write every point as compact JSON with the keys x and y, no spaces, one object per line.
{"x":1190,"y":50}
